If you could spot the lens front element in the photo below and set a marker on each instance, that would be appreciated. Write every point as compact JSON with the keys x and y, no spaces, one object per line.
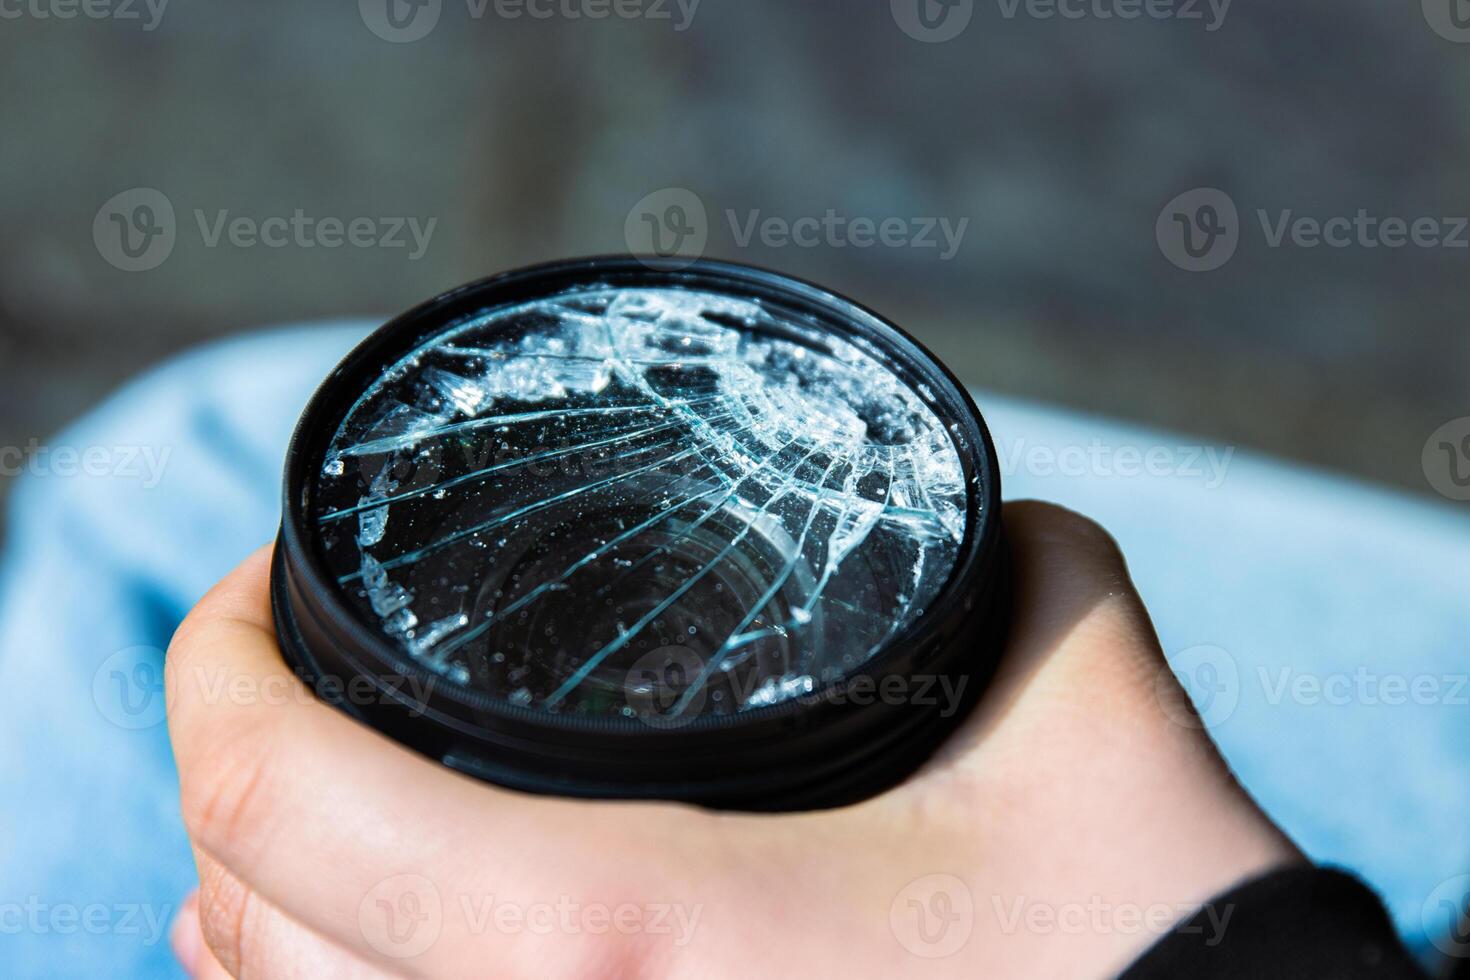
{"x":657,"y":503}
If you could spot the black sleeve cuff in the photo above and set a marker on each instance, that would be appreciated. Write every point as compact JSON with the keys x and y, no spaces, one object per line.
{"x":1302,"y":923}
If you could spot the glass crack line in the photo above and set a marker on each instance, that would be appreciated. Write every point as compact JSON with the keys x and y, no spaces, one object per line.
{"x":602,"y":550}
{"x":835,"y":555}
{"x":780,"y":491}
{"x":698,"y":523}
{"x":408,"y":440}
{"x":759,"y":604}
{"x":469,"y":532}
{"x":471,"y":477}
{"x":580,"y":674}
{"x":494,"y":355}
{"x":469,"y":636}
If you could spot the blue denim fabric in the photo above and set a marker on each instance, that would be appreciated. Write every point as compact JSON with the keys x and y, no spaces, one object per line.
{"x":1258,"y":574}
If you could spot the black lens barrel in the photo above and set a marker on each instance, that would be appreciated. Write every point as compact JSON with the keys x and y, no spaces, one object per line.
{"x":834,"y":745}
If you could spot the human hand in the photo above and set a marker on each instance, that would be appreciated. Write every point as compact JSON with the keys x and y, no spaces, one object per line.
{"x":325,"y":849}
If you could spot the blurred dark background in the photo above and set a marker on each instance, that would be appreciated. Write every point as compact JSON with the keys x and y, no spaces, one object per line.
{"x":525,"y":139}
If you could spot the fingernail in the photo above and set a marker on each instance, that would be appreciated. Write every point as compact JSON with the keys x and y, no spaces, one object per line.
{"x":186,"y":937}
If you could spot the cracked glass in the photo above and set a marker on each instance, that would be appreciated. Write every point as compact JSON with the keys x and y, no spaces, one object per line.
{"x":661,"y":503}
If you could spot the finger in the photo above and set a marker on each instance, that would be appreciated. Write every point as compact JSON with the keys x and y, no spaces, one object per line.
{"x":186,"y":938}
{"x":319,"y":814}
{"x":211,"y":969}
{"x":1079,"y":643}
{"x":1083,"y":646}
{"x":190,"y":947}
{"x":1076,"y":617}
{"x":242,"y":935}
{"x":1078,"y":726}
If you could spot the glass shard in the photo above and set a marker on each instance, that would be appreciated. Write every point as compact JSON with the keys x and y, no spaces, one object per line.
{"x":634,"y":501}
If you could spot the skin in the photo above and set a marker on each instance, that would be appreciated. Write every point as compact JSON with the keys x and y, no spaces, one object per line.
{"x":1082,"y":782}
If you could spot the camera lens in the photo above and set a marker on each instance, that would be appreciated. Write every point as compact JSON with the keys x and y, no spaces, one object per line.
{"x":618,"y":528}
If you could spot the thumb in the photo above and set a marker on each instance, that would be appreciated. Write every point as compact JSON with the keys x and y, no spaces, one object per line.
{"x":1081,"y":733}
{"x":1082,"y":651}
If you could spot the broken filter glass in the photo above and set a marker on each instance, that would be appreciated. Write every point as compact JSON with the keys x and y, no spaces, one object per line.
{"x":654,"y":502}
